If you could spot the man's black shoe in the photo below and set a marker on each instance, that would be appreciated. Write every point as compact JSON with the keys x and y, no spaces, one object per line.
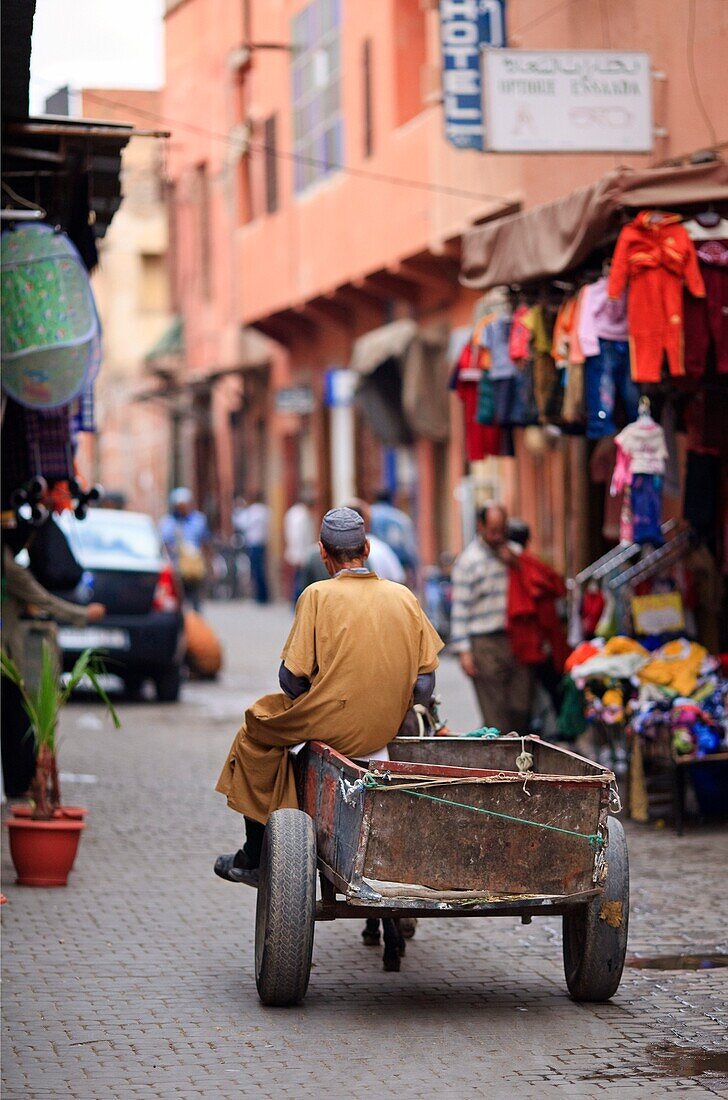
{"x":236,"y":868}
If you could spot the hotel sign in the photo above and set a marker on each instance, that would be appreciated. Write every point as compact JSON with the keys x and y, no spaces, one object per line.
{"x":567,"y":101}
{"x":466,"y":26}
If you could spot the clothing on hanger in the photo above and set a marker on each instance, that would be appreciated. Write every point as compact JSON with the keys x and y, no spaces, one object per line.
{"x":654,"y":257}
{"x":644,"y":443}
{"x":600,"y":317}
{"x":716,"y":229}
{"x":706,"y":319}
{"x":519,"y":341}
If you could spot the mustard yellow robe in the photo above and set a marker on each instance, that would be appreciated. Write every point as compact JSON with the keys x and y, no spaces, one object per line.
{"x":362,"y":642}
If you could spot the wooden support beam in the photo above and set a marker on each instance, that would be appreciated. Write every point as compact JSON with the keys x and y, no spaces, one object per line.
{"x":354,"y":297}
{"x":430,"y":276}
{"x":328,"y":311}
{"x":286,"y":327}
{"x":389,"y":287}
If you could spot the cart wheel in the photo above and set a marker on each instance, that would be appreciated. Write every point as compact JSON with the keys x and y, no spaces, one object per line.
{"x":595,"y":935}
{"x":285,"y":914}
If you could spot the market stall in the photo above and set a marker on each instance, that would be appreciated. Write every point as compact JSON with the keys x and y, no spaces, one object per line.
{"x":604,"y":320}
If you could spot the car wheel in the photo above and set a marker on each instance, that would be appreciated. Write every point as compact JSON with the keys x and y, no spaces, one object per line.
{"x":133,"y":686}
{"x":168,"y":684}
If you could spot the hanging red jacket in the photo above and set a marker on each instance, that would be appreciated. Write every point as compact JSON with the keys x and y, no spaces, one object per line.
{"x":655,"y":256}
{"x":532,"y":622}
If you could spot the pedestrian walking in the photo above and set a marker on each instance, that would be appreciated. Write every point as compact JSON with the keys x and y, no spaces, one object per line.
{"x":382,"y":559}
{"x":396,"y":528}
{"x":360,"y":647}
{"x":254,"y":523}
{"x":549,"y":670}
{"x":186,"y":535}
{"x":299,"y":534}
{"x":503,"y":684}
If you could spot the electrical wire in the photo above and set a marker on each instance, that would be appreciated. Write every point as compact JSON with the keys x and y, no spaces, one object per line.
{"x":281,"y":154}
{"x":543,"y":16}
{"x":694,"y":76}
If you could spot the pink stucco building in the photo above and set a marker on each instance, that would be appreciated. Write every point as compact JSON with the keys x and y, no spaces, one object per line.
{"x":314,"y":198}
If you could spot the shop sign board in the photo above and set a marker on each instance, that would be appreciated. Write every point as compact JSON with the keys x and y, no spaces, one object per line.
{"x":567,"y":101}
{"x":466,"y":26}
{"x":339,"y":387}
{"x":295,"y":401}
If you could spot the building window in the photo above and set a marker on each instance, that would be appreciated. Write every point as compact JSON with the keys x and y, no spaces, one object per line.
{"x":203,"y":210}
{"x":271,"y":165}
{"x":245,"y":190}
{"x":366,"y":65}
{"x":318,"y":126}
{"x":153,"y":289}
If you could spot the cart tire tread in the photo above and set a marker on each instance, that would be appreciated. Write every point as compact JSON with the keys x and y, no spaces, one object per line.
{"x":286,"y":908}
{"x":595,"y":935}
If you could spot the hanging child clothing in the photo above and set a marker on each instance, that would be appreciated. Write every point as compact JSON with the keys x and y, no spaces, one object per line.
{"x":602,"y":332}
{"x":569,"y":355}
{"x":545,"y":377}
{"x":519,"y":341}
{"x":640,"y":468}
{"x":481,"y":441}
{"x":653,"y":258}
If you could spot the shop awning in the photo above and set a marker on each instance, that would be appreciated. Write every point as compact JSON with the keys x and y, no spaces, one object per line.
{"x":403,"y":376}
{"x":169,"y":346}
{"x":376,"y":347}
{"x":558,"y":236}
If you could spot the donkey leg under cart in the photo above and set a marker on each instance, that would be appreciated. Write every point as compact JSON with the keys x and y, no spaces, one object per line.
{"x":448,"y":828}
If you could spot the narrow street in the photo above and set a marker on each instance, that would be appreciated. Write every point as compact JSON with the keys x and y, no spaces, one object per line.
{"x":137,"y":980}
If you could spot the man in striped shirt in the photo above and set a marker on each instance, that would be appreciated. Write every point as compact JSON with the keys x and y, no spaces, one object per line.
{"x":480,"y":593}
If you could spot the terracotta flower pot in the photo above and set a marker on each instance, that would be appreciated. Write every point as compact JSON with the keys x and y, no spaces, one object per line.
{"x":43,"y":852}
{"x":76,"y":813}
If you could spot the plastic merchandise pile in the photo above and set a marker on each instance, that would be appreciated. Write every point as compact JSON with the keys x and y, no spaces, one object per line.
{"x":677,"y":688}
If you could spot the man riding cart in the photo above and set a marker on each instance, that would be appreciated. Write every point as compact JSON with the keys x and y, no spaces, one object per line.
{"x":359,"y":654}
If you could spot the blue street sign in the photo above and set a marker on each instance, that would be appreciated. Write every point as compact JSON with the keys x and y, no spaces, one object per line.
{"x":465,"y":26}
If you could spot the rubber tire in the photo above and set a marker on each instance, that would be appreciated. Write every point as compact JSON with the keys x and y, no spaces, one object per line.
{"x":594,"y":951}
{"x":286,"y":909}
{"x":133,"y":687}
{"x":167,"y":684}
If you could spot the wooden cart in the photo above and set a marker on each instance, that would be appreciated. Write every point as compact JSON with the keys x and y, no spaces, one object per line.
{"x":448,"y":827}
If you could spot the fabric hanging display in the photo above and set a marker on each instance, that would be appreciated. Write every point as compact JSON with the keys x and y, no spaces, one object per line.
{"x":504,"y":372}
{"x":639,"y":473}
{"x":601,"y":470}
{"x":485,"y":412}
{"x":83,"y":417}
{"x":569,"y":358}
{"x":519,"y":340}
{"x":654,"y":257}
{"x":50,"y":330}
{"x":481,"y":441}
{"x":607,"y":375}
{"x":545,"y":376}
{"x":706,"y":319}
{"x":602,"y":333}
{"x":48,"y":435}
{"x":646,"y":499}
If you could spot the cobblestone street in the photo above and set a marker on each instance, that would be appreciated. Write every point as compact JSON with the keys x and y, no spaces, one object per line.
{"x":137,"y":980}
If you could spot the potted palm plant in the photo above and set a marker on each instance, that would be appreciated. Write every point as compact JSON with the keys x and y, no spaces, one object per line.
{"x":44,"y":836}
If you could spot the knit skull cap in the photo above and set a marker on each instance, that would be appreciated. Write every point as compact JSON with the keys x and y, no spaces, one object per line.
{"x":343,"y":529}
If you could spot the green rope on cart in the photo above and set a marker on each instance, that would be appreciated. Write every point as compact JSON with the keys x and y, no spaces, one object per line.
{"x":596,"y":840}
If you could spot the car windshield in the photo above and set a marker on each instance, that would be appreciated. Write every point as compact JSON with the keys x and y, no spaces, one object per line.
{"x":107,"y":536}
